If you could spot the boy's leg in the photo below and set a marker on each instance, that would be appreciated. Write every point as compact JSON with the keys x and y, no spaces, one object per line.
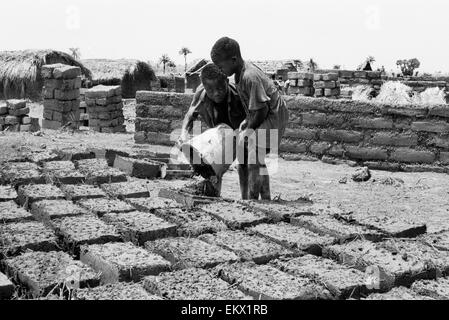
{"x":243,"y":180}
{"x":265,"y":193}
{"x":254,"y":181}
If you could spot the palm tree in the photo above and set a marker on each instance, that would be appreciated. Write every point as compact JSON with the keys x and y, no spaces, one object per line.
{"x":76,"y":53}
{"x":165,"y":59}
{"x":312,"y":65}
{"x":184,"y":52}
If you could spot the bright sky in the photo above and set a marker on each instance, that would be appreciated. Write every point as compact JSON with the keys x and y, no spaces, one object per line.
{"x":331,"y":32}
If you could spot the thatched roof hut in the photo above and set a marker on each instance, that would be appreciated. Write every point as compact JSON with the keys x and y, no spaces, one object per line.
{"x":20,"y":71}
{"x":132,"y":75}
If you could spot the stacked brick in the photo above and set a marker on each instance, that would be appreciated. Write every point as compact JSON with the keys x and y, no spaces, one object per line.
{"x":180,"y":84}
{"x":300,"y":83}
{"x":408,"y":138}
{"x":357,"y":78}
{"x":61,"y":94}
{"x":158,"y":114}
{"x":14,"y":117}
{"x":326,"y":85}
{"x":105,"y":109}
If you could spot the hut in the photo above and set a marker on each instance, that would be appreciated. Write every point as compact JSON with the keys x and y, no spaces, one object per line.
{"x":132,"y":75}
{"x":20,"y":71}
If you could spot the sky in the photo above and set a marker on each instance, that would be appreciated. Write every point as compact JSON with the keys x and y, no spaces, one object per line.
{"x":332,"y":32}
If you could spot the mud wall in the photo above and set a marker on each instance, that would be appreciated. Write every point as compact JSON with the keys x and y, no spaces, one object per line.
{"x":380,"y":136}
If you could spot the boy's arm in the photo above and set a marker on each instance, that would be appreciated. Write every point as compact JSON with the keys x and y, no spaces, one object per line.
{"x":256,"y":117}
{"x":258,"y":104}
{"x":190,"y":117}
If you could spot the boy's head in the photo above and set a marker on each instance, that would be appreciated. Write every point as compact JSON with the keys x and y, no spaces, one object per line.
{"x":226,"y":55}
{"x":215,"y":82}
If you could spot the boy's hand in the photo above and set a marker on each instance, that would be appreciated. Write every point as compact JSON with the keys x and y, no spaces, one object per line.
{"x":243,"y":125}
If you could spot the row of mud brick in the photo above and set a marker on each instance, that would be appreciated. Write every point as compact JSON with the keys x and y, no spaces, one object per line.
{"x":14,"y":117}
{"x":144,"y":247}
{"x":395,"y":138}
{"x":278,"y":250}
{"x":318,"y":85}
{"x":61,"y":94}
{"x":90,"y":165}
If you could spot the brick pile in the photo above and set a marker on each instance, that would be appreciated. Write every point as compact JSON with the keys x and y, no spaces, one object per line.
{"x":326,"y":85}
{"x":14,"y":116}
{"x":105,"y":109}
{"x":61,"y":94}
{"x":300,"y":83}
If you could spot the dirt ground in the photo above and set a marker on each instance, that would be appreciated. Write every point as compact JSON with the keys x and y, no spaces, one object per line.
{"x":415,"y":196}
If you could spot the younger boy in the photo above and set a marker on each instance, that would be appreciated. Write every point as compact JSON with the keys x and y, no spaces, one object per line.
{"x":266,"y":112}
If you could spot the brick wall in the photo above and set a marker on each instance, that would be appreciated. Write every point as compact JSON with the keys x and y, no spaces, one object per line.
{"x":380,"y":136}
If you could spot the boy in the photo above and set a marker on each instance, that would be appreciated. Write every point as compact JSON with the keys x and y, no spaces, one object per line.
{"x":266,"y":112}
{"x":216,"y":101}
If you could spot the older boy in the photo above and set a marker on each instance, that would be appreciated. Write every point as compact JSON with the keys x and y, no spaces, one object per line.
{"x":216,"y":101}
{"x":267,"y":112}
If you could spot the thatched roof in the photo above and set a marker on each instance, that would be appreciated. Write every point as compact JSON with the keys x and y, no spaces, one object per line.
{"x":24,"y":66}
{"x":106,"y":70}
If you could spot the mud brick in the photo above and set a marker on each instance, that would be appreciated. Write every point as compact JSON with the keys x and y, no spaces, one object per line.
{"x":190,"y":252}
{"x":6,"y":287}
{"x":19,"y":112}
{"x":439,"y":240}
{"x":42,"y":157}
{"x":101,"y":92}
{"x":300,"y":75}
{"x":304,"y":83}
{"x":139,"y":227}
{"x":32,"y":193}
{"x":60,"y":177}
{"x":66,"y":72}
{"x":332,"y":92}
{"x":46,"y":210}
{"x":248,"y":247}
{"x":152,"y":203}
{"x":102,"y":206}
{"x":84,"y":229}
{"x":66,"y":95}
{"x":293,"y":237}
{"x":7,"y":193}
{"x":43,"y":272}
{"x":412,"y":156}
{"x":330,"y":77}
{"x":3,"y":110}
{"x":58,"y":166}
{"x":119,"y":262}
{"x":278,"y":210}
{"x":25,"y":128}
{"x":397,"y":227}
{"x":15,"y":104}
{"x":437,"y":126}
{"x":343,"y":282}
{"x":424,"y":252}
{"x":115,"y":291}
{"x":179,"y":174}
{"x":129,"y":189}
{"x":366,"y":153}
{"x":78,"y":192}
{"x":11,"y":212}
{"x":192,"y":284}
{"x":144,"y":169}
{"x":400,"y":140}
{"x":319,"y":92}
{"x":20,"y":236}
{"x":235,"y":216}
{"x":75,"y":154}
{"x":340,"y":230}
{"x":317,"y":77}
{"x":183,"y":198}
{"x":438,"y":289}
{"x":399,"y":293}
{"x":12,"y":120}
{"x":191,"y":223}
{"x":268,"y":283}
{"x":360,"y":74}
{"x":387,"y":268}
